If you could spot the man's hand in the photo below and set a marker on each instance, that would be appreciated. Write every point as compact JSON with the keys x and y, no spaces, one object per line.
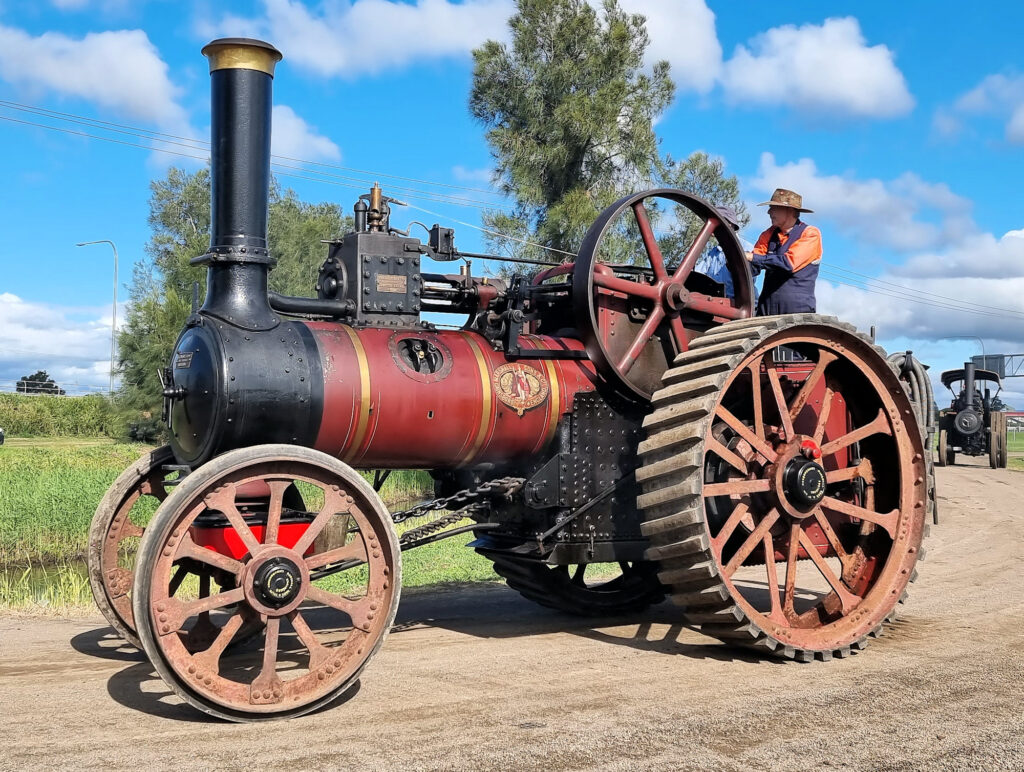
{"x":750,"y":255}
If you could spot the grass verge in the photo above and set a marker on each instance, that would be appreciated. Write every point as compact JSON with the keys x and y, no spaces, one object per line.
{"x":49,"y":489}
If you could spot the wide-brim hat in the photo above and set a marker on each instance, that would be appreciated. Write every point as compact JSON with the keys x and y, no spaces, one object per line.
{"x":783,"y":197}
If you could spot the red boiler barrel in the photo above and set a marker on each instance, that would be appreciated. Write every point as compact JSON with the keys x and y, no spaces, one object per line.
{"x":477,"y":406}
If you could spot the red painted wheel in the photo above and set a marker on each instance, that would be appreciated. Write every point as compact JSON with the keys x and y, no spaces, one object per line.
{"x":326,"y":582}
{"x":114,"y":536}
{"x":636,"y":317}
{"x":785,"y":496}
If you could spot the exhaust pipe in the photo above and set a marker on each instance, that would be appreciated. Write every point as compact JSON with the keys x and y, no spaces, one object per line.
{"x":241,"y":77}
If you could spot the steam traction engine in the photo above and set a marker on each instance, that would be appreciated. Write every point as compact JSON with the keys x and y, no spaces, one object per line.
{"x":611,"y":432}
{"x":970,"y":423}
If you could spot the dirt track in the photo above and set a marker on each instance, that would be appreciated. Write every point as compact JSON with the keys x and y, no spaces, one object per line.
{"x":478,"y":678}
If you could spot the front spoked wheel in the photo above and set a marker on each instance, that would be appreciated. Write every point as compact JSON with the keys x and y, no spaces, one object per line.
{"x":324,"y":581}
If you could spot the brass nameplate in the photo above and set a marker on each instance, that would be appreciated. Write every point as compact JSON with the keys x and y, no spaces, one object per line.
{"x":389,"y":283}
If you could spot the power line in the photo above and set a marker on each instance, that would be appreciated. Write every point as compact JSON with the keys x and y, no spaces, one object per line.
{"x":904,"y":287}
{"x":199,"y":144}
{"x":864,"y":283}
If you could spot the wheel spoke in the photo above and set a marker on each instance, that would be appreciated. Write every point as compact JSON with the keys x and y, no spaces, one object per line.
{"x":277,"y":489}
{"x":637,"y":346}
{"x":780,"y":401}
{"x":176,"y":612}
{"x":847,"y":599}
{"x":755,"y":391}
{"x":886,"y":520}
{"x":578,"y":576}
{"x":752,"y":541}
{"x":736,"y":487}
{"x":357,"y":610}
{"x":650,"y":243}
{"x":825,"y":358}
{"x":826,"y":411}
{"x":723,"y":307}
{"x":792,"y":555}
{"x":690,"y":258}
{"x":734,"y":460}
{"x":354,"y":550}
{"x":154,"y":486}
{"x":267,"y":686}
{"x":679,"y":335}
{"x":179,"y":576}
{"x":638,"y":289}
{"x":318,"y":653}
{"x":768,"y":544}
{"x":189,"y":549}
{"x":831,"y":535}
{"x":335,"y":503}
{"x":223,"y":501}
{"x":844,"y":474}
{"x":209,"y":659}
{"x":741,"y":510}
{"x":880,"y":425}
{"x":758,"y":443}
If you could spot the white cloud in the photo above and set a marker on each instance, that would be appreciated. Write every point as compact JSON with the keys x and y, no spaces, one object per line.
{"x":827,"y":68}
{"x":71,"y":344}
{"x":683,"y":33}
{"x":905,"y":214}
{"x":371,"y":36}
{"x":291,"y":136}
{"x":997,"y":95}
{"x":963,"y":293}
{"x":981,"y":257}
{"x":121,"y":70}
{"x":477,"y":176}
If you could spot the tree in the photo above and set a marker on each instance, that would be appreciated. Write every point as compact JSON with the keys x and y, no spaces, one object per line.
{"x":38,"y":383}
{"x":569,"y":113}
{"x":160,"y":297}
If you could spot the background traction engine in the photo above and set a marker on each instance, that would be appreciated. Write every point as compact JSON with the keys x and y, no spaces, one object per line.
{"x":970,"y":425}
{"x":612,"y":431}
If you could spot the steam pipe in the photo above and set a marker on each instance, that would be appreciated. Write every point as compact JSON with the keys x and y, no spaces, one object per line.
{"x":241,"y":76}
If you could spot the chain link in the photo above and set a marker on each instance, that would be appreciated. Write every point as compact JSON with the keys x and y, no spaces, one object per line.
{"x":502,"y":486}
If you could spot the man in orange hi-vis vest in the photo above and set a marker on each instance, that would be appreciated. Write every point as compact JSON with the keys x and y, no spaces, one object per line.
{"x":789,"y":253}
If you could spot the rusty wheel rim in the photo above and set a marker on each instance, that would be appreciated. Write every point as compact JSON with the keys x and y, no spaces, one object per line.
{"x":795,"y":468}
{"x":316,"y":639}
{"x":114,"y":534}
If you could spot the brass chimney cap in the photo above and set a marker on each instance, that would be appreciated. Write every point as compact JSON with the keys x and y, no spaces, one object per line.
{"x":241,"y":54}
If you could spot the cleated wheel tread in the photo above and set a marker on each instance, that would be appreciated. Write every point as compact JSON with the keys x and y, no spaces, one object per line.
{"x":672,"y":478}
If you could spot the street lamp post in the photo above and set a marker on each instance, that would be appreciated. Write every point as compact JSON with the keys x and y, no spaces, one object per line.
{"x":966,"y":337}
{"x":113,"y":312}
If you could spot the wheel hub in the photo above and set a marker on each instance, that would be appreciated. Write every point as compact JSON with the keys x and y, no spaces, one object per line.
{"x":804,"y":482}
{"x":277,"y":582}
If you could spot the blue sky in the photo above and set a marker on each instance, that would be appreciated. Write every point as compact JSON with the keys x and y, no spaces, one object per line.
{"x":901,"y":124}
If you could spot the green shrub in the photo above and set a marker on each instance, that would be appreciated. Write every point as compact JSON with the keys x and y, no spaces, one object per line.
{"x":38,"y":415}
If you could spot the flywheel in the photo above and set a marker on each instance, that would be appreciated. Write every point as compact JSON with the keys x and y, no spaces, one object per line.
{"x":785,"y":486}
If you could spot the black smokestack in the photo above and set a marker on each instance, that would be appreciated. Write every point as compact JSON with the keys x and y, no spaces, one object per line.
{"x":241,"y":77}
{"x":969,"y":382}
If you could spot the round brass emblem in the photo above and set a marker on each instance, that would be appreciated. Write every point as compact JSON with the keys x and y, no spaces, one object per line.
{"x":520,"y":386}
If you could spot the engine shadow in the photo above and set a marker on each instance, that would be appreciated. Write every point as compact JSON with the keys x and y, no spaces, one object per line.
{"x":140,"y":688}
{"x":495,"y":611}
{"x":105,"y":643}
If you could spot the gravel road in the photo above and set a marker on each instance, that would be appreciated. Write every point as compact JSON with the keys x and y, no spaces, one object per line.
{"x":478,"y":678}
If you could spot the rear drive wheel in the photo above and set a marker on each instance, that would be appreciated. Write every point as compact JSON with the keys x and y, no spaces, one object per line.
{"x":785,"y":500}
{"x":584,"y":589}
